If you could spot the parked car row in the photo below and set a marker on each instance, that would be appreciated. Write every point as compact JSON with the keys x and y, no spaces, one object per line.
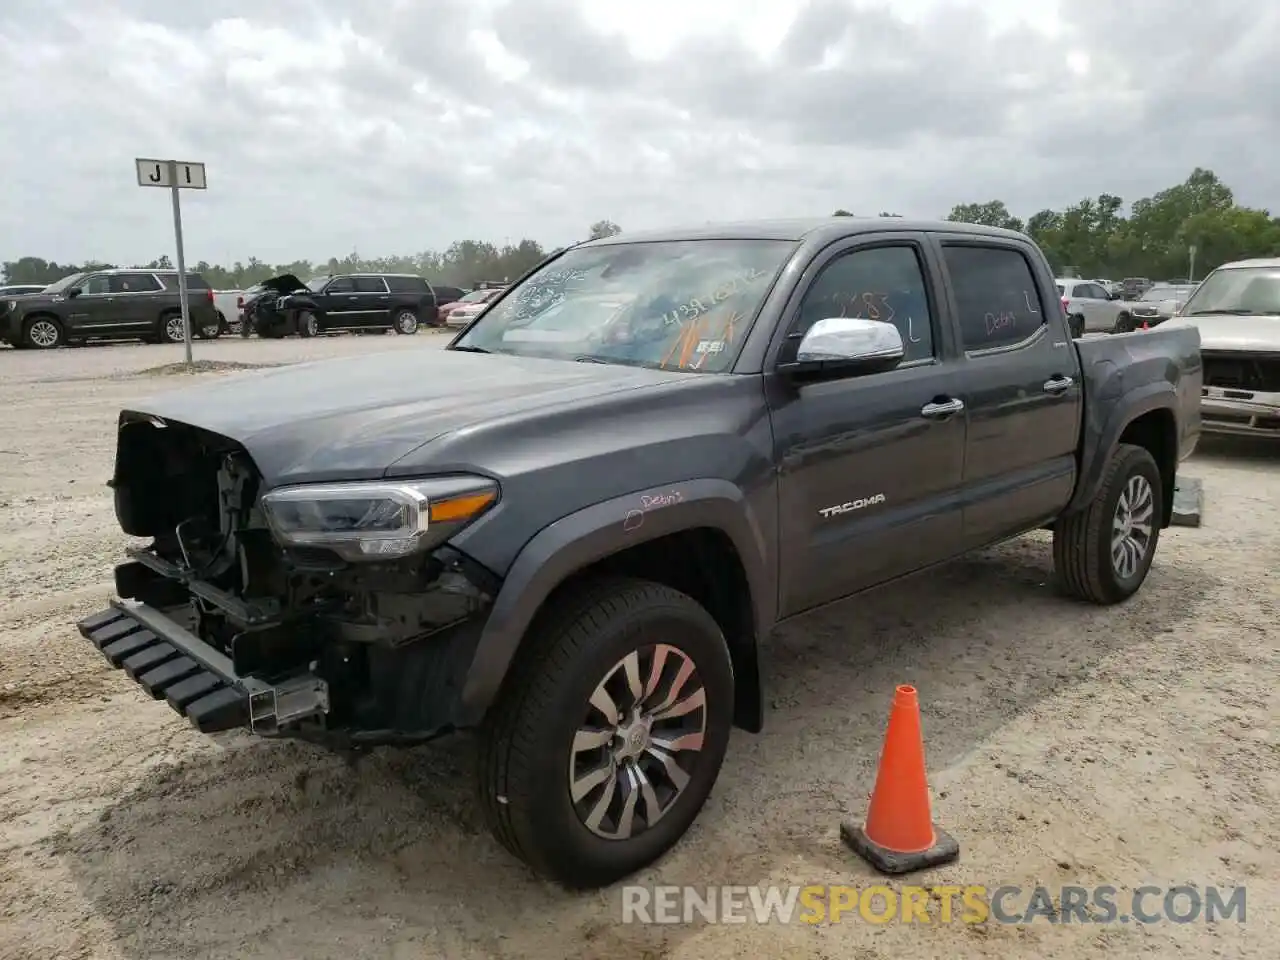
{"x":132,"y":304}
{"x":357,"y":302}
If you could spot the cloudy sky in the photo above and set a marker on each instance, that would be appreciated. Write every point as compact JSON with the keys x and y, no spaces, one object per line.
{"x":394,"y":126}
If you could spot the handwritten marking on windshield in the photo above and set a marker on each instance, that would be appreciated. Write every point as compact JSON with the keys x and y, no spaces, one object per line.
{"x":1027,"y":297}
{"x":695,"y":307}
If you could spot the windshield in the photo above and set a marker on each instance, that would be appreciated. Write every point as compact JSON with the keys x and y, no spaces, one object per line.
{"x":1247,"y":291}
{"x":1164,"y":293}
{"x":65,"y":283}
{"x":317,"y":284}
{"x":677,"y":304}
{"x":477,"y":296}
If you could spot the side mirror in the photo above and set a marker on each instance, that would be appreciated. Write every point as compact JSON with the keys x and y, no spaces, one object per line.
{"x":846,"y":347}
{"x":73,"y":292}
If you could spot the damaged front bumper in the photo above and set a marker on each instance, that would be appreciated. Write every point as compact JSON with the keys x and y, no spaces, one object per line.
{"x":198,"y":681}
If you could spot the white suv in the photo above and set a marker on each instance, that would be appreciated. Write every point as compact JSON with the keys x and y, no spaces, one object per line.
{"x":1090,"y":308}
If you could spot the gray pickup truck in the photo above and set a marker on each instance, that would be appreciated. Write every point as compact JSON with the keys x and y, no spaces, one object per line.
{"x":573,"y":528}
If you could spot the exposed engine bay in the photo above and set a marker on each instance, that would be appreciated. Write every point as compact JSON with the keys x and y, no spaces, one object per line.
{"x":268,"y":311}
{"x":388,"y":639}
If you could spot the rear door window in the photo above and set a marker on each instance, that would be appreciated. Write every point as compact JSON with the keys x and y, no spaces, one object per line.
{"x":996,"y":294}
{"x":370,"y":285}
{"x":133,"y":283}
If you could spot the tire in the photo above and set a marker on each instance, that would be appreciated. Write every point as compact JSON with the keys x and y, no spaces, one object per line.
{"x":1083,"y":542}
{"x":1075,"y":324}
{"x":405,"y":321}
{"x":210,"y":331}
{"x":308,"y":324}
{"x":527,"y":756}
{"x":1124,"y":323}
{"x":42,"y":333}
{"x":170,"y":329}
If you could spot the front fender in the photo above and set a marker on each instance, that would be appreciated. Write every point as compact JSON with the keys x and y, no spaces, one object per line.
{"x":1099,"y":447}
{"x":593,"y":533}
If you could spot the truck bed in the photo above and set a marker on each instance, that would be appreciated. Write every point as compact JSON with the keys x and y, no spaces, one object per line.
{"x":1146,"y":364}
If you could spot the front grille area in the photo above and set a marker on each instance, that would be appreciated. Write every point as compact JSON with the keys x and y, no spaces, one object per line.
{"x":1241,"y":371}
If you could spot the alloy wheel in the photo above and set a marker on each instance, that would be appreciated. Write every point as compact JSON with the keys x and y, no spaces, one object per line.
{"x":174,"y":330}
{"x":44,"y":334}
{"x":407,"y":322}
{"x":635,"y":752}
{"x":1131,"y":527}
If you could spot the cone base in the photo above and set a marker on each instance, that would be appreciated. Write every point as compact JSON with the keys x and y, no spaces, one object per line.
{"x":944,"y":850}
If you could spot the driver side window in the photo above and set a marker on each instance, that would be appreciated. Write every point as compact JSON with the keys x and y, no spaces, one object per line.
{"x":98,"y":284}
{"x":341,"y":285}
{"x":876,"y":283}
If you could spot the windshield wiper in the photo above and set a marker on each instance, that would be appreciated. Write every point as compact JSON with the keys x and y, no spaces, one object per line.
{"x":586,"y":359}
{"x":1229,"y":313}
{"x":470,"y":349}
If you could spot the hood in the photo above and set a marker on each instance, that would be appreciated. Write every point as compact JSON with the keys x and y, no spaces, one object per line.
{"x":1227,"y":332}
{"x":284,"y":284}
{"x":352,"y":418}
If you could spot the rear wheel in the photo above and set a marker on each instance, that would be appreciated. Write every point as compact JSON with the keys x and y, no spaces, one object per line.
{"x":172,"y":329}
{"x":1103,"y":553}
{"x":405,"y":321}
{"x":1124,"y":323}
{"x":610,"y":733}
{"x":1075,"y":323}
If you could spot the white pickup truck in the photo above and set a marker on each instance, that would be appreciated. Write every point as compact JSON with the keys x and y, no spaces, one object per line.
{"x":228,"y":303}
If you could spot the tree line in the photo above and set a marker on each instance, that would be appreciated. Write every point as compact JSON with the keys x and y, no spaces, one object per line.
{"x":1092,"y":238}
{"x":465,"y":263}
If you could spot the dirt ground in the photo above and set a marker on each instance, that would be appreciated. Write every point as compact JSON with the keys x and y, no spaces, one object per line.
{"x":1066,"y":745}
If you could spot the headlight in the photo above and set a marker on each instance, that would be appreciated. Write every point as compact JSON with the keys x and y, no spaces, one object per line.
{"x":380,"y":520}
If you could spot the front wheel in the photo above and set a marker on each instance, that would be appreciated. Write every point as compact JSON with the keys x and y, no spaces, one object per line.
{"x":609,"y":736}
{"x":1103,"y":553}
{"x":308,"y":324}
{"x":1124,"y":323}
{"x":42,"y":333}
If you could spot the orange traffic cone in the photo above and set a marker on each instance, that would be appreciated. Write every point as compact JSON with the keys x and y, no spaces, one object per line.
{"x":899,"y":834}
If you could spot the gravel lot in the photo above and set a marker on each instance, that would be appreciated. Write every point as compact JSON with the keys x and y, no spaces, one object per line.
{"x":1067,"y":745}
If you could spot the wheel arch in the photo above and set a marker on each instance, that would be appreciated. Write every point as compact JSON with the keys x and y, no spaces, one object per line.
{"x":703,"y":541}
{"x":1144,"y":417}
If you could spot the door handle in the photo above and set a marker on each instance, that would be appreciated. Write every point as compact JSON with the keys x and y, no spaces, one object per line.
{"x":1058,"y":384}
{"x":940,"y":411}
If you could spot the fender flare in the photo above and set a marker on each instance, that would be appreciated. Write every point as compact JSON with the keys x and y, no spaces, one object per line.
{"x":1127,"y":408}
{"x":581,"y":538}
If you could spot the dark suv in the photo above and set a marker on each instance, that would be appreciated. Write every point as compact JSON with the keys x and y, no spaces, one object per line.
{"x":352,"y":301}
{"x":109,"y":305}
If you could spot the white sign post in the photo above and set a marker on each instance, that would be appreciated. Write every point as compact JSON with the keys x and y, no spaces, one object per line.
{"x":176,"y":175}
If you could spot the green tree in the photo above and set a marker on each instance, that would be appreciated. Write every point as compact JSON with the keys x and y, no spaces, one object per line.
{"x":603,"y":228}
{"x":993,"y":213}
